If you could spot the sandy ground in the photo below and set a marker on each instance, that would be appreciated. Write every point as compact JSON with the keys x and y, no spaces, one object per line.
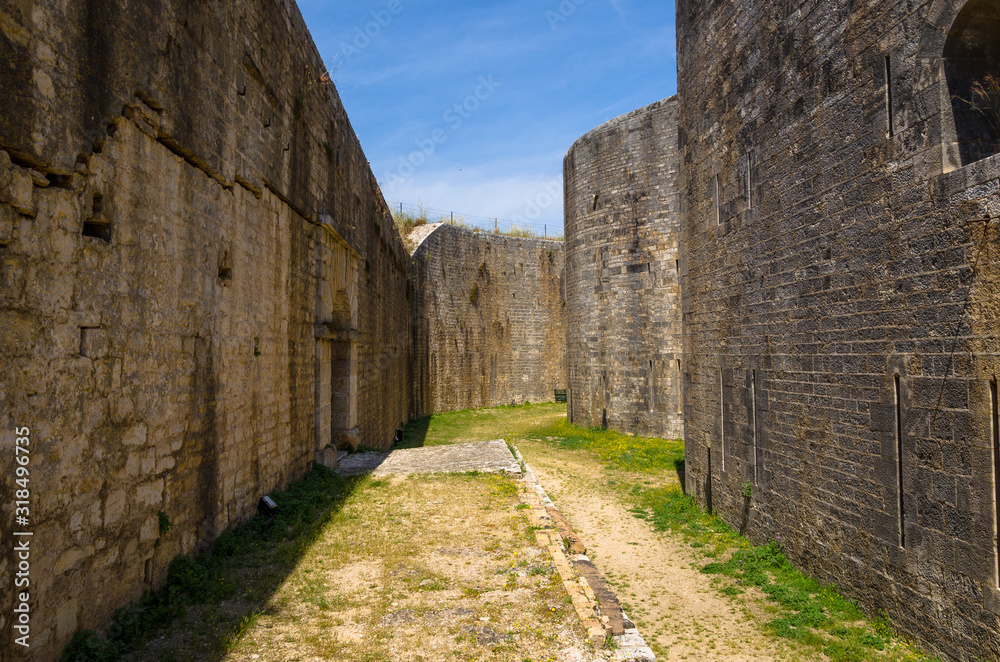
{"x":656,"y":575}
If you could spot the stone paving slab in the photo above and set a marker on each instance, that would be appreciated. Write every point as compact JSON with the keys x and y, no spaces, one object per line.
{"x":483,"y":456}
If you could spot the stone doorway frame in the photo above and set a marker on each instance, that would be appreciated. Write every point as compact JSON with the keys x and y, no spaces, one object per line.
{"x":336,"y":345}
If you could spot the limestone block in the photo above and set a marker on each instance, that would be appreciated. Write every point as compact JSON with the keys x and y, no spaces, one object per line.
{"x":70,"y":558}
{"x":345,"y":438}
{"x":109,"y":558}
{"x":150,"y":494}
{"x":66,"y":619}
{"x":132,"y":464}
{"x":7,"y":218}
{"x":150,"y":529}
{"x":327,"y":457}
{"x":114,"y":507}
{"x":93,"y":343}
{"x":20,"y":192}
{"x":148,"y":462}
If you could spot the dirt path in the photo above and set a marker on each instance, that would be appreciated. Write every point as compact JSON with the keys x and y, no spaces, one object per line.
{"x":656,"y":575}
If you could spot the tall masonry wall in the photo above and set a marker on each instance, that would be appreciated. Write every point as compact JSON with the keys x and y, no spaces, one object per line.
{"x":200,"y":287}
{"x":622,"y":283}
{"x":489,"y":321}
{"x":840,"y":297}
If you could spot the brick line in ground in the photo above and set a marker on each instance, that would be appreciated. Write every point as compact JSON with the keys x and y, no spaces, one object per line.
{"x":595,"y":603}
{"x":593,"y":600}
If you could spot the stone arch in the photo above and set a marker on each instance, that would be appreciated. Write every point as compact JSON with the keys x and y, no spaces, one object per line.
{"x":940,"y":17}
{"x":971,"y":58}
{"x":960,"y":43}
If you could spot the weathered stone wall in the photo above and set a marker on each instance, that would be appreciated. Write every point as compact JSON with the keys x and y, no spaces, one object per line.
{"x":840,"y":297}
{"x":623,"y":287}
{"x":200,"y":287}
{"x":489,"y":321}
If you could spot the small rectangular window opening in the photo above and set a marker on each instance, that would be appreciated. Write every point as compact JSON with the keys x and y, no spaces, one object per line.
{"x":995,"y":433}
{"x":652,"y":387}
{"x":899,"y":464}
{"x":888,"y":94}
{"x":749,"y":180}
{"x":722,"y":416}
{"x":715,"y":200}
{"x":97,"y":225}
{"x":680,"y":389}
{"x":753,"y":420}
{"x":708,"y":483}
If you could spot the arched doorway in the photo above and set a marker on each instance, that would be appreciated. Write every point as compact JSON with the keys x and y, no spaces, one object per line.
{"x":972,"y":69}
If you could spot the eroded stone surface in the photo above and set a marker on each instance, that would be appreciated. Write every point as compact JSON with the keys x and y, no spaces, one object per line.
{"x":186,"y":219}
{"x":490,"y":320}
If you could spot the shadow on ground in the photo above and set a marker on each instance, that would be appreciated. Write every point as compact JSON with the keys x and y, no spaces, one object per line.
{"x":415,"y":433}
{"x":226,"y":587}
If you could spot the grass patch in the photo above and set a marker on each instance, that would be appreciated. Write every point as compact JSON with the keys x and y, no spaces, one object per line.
{"x":813,"y":616}
{"x":481,"y":424}
{"x":618,"y":451}
{"x":218,"y":575}
{"x":357,"y":569}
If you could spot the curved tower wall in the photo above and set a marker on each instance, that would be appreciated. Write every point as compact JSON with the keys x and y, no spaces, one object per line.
{"x":622,"y":284}
{"x":841,"y":299}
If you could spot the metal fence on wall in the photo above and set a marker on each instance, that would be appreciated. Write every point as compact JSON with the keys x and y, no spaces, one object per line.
{"x":484,"y":223}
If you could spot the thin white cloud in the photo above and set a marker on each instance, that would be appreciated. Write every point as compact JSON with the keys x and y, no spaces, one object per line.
{"x":528,"y":199}
{"x":617,"y":6}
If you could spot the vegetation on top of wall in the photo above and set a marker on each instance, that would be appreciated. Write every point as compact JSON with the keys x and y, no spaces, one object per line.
{"x":986,"y":101}
{"x":407,"y":221}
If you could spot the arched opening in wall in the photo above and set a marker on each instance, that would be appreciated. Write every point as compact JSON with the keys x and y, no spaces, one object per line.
{"x":972,"y":69}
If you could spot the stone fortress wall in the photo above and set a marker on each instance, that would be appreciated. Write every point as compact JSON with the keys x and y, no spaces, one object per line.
{"x":840,"y":229}
{"x":623,"y":285}
{"x":200,"y":287}
{"x":201,"y":290}
{"x":489,"y":320}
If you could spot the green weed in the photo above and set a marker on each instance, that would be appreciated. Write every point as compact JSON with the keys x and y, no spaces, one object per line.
{"x":805,"y":611}
{"x":507,"y":422}
{"x":619,"y":451}
{"x":302,"y":512}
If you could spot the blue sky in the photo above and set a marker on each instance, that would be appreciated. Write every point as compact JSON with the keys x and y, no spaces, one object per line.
{"x":471,"y":106}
